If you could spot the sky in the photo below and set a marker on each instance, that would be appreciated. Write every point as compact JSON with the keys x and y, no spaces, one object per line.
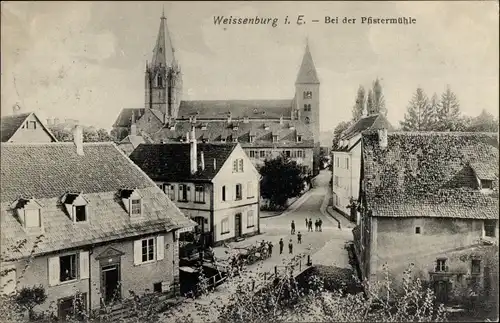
{"x":86,"y":60}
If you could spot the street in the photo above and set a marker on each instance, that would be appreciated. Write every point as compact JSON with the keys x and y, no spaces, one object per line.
{"x":326,"y":247}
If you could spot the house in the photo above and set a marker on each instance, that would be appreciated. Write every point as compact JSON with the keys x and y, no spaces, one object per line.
{"x":346,"y":162}
{"x":86,"y":220}
{"x":214,"y":184}
{"x":24,"y":128}
{"x":264,"y":128}
{"x":430,"y":199}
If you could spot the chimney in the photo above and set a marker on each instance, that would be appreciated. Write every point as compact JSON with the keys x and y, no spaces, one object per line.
{"x":215,"y":164}
{"x":202,"y":160}
{"x":193,"y":152}
{"x":78,"y":139}
{"x":133,"y":126}
{"x":281,"y":120}
{"x":229,"y":118}
{"x":382,"y":138}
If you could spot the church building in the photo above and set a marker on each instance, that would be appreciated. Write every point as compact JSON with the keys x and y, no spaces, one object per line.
{"x":263,"y":128}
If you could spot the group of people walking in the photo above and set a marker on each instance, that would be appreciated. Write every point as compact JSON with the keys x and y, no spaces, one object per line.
{"x":317,"y":226}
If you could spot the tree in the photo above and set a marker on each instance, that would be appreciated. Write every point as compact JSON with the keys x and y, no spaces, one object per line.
{"x":282,"y":179}
{"x":339,"y":129}
{"x":370,"y":102}
{"x":359,"y":106}
{"x":448,"y":112}
{"x":419,"y":115}
{"x":485,"y":122}
{"x":378,"y":100}
{"x":90,"y":134}
{"x":29,"y":297}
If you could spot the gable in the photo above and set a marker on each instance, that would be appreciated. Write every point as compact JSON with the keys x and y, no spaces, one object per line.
{"x":25,"y":128}
{"x":226,"y":170}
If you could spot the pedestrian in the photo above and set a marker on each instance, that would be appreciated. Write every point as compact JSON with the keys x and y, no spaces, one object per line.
{"x":293,"y":228}
{"x":270,"y":248}
{"x":320,"y":223}
{"x":299,"y":238}
{"x":281,"y":245}
{"x":307,"y":224}
{"x":310,"y":225}
{"x":316,"y":225}
{"x":290,"y":247}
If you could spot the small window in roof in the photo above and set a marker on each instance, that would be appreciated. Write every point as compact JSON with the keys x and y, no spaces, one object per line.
{"x":76,"y":206}
{"x":132,"y":201}
{"x":28,"y":212}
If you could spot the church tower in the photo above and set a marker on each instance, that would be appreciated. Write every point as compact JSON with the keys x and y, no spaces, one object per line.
{"x":307,"y":94}
{"x":163,"y":78}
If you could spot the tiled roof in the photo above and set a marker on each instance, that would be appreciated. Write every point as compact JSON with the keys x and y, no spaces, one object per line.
{"x":428,"y":174}
{"x":215,"y":130}
{"x":99,"y":174}
{"x":371,"y":122}
{"x":171,"y":162}
{"x":486,"y":169}
{"x":129,"y":143}
{"x":253,"y":109}
{"x":124,"y":119}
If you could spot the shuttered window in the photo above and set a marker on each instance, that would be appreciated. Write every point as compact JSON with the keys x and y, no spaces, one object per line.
{"x":68,"y":267}
{"x":149,"y":249}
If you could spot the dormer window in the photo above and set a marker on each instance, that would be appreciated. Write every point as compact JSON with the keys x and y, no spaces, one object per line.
{"x":275,"y":138}
{"x":76,"y":206}
{"x":252,"y":138}
{"x":235,"y":127}
{"x":28,"y":212}
{"x":132,"y":201}
{"x":292,"y":127}
{"x":222,"y":139}
{"x":204,"y":126}
{"x":299,"y":138}
{"x":235,"y":139}
{"x":245,"y":120}
{"x":266,"y":127}
{"x":172,"y":126}
{"x":486,"y":184}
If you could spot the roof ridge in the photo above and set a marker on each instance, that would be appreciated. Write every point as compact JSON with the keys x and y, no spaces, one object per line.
{"x":455,"y":133}
{"x":93,"y":143}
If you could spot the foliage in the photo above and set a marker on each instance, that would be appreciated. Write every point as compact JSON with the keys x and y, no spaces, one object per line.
{"x":282,"y":179}
{"x":90,"y":134}
{"x":419,"y":115}
{"x":378,"y":101}
{"x":370,"y":102}
{"x":448,"y":112}
{"x":29,"y":297}
{"x":359,"y":106}
{"x":339,"y":129}
{"x":484,"y":122}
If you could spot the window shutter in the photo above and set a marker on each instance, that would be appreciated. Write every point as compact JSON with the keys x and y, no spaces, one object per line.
{"x":54,"y":271}
{"x":160,"y":248}
{"x":137,"y":252}
{"x":84,"y":265}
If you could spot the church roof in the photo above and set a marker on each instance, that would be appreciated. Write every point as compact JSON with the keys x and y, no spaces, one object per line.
{"x":262,"y":132}
{"x":307,"y":72}
{"x":124,"y":119}
{"x":163,"y":53}
{"x":371,"y":122}
{"x":171,"y":162}
{"x":253,"y":109}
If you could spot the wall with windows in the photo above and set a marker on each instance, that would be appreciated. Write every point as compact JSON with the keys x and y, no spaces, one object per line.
{"x":303,"y":156}
{"x":345,"y":177}
{"x":31,"y":131}
{"x":225,"y":221}
{"x":428,"y":243}
{"x":188,"y":195}
{"x":65,"y":273}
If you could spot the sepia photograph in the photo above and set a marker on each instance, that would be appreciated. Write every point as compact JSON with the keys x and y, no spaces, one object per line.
{"x":249,"y":161}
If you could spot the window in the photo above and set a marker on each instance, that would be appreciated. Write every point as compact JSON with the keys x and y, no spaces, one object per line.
{"x":275,"y":138}
{"x":490,"y":228}
{"x":238,"y":191}
{"x":135,"y":206}
{"x":417,"y":230}
{"x":252,"y":153}
{"x":486,"y":184}
{"x":67,"y":268}
{"x":169,"y":190}
{"x":307,"y":120}
{"x":160,"y":81}
{"x":287,"y":153}
{"x":250,"y":190}
{"x":308,"y":95}
{"x":199,"y":194}
{"x":81,"y":213}
{"x":32,"y":218}
{"x":235,"y":139}
{"x":148,"y":249}
{"x":336,"y":180}
{"x":223,"y":193}
{"x":157,"y":287}
{"x":307,"y":107}
{"x":475,"y":267}
{"x":183,"y":188}
{"x":337,"y":161}
{"x":441,"y":265}
{"x":225,"y":226}
{"x":262,"y":154}
{"x":300,"y":154}
{"x":74,"y":306}
{"x":299,"y":138}
{"x":31,"y":125}
{"x":238,"y":165}
{"x":250,"y":219}
{"x":252,"y":138}
{"x":347,"y":162}
{"x":235,"y":166}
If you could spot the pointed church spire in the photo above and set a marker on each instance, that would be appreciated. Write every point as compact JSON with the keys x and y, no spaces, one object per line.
{"x":163,"y":53}
{"x":307,"y":72}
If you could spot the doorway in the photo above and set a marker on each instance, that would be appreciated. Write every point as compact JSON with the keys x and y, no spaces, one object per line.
{"x":441,"y":290}
{"x":237,"y":225}
{"x":110,"y":278}
{"x":200,"y":228}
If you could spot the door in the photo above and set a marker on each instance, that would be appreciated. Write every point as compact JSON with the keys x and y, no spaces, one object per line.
{"x":237,"y":225}
{"x":201,"y":224}
{"x":111,"y":282}
{"x":441,"y":291}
